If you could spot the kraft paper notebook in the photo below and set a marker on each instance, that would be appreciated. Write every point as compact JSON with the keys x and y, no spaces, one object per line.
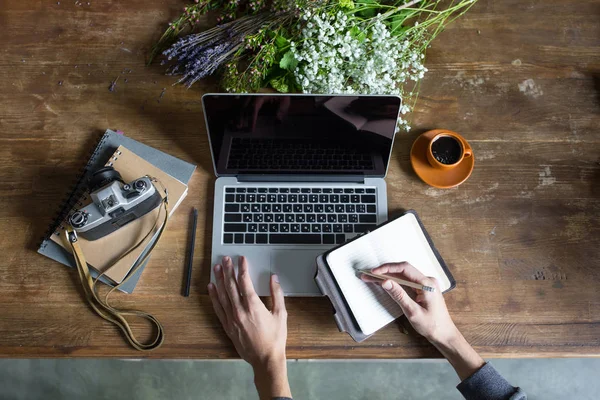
{"x":180,"y":170}
{"x":364,"y":308}
{"x":102,"y":253}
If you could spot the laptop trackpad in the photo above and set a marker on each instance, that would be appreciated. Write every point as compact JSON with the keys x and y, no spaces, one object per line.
{"x":296,"y":271}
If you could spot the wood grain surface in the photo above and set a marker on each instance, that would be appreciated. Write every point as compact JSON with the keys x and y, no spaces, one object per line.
{"x":519,"y":79}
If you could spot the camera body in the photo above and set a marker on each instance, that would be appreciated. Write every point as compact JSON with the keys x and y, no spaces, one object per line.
{"x":114,"y":204}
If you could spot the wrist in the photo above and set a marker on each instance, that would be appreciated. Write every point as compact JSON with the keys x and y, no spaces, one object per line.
{"x":270,"y":378}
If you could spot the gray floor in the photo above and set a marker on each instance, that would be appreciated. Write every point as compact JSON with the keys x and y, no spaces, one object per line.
{"x":431,"y":379}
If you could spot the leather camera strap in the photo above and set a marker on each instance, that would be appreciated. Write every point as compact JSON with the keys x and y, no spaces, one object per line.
{"x":102,"y":306}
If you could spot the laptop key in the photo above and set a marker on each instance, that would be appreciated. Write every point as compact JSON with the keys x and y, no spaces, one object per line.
{"x":229,"y":190}
{"x":331,"y":218}
{"x":300,"y":218}
{"x":329,"y":208}
{"x":258,"y":218}
{"x":348,"y":190}
{"x":250,"y":198}
{"x":238,"y":238}
{"x":343,"y":218}
{"x":326,"y":227}
{"x":371,"y":208}
{"x":353,"y":217}
{"x":316,"y":228}
{"x":289,"y":218}
{"x":241,"y":190}
{"x":327,"y":190}
{"x":228,"y":238}
{"x":305,"y":190}
{"x":308,"y":208}
{"x":303,"y":198}
{"x":279,"y":217}
{"x":255,"y":208}
{"x":337,"y":228}
{"x":339,"y":208}
{"x":361,"y":208}
{"x":344,"y":198}
{"x":276,"y":208}
{"x":273,"y":227}
{"x":360,"y":190}
{"x":323,"y":198}
{"x":319,"y":208}
{"x":313,"y":198}
{"x":245,"y":207}
{"x":295,"y":227}
{"x":305,"y":227}
{"x":348,"y":228}
{"x":261,"y":198}
{"x":340,"y":238}
{"x":262,"y":238}
{"x":273,"y":190}
{"x":321,"y":218}
{"x":297,"y":208}
{"x":232,"y":207}
{"x":263,"y":227}
{"x":295,"y":190}
{"x":282,"y":198}
{"x":234,"y":227}
{"x":249,"y":238}
{"x":240,"y":198}
{"x":338,"y":190}
{"x":365,"y":218}
{"x":247,"y":217}
{"x":252,"y":228}
{"x":350,"y":208}
{"x":284,"y":228}
{"x":229,"y":198}
{"x":367,"y":198}
{"x":262,"y":190}
{"x":334,"y":198}
{"x":291,"y":238}
{"x":311,"y":218}
{"x":370,"y":190}
{"x":284,"y":190}
{"x":271,"y":198}
{"x":266,"y":208}
{"x":287,"y":208}
{"x":328,"y":239}
{"x":268,"y":217}
{"x":251,"y":190}
{"x":293,"y":198}
{"x":359,"y":228}
{"x":355,"y":198}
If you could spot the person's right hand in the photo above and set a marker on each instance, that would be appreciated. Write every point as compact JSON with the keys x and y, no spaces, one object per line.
{"x":427,"y":312}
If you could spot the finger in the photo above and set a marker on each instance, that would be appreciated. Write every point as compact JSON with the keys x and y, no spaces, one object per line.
{"x":408,"y":305}
{"x":401,"y":270}
{"x":221,"y":291}
{"x":214,"y":297}
{"x":231,"y":286}
{"x":367,"y":278}
{"x":278,"y":298}
{"x":244,"y":281}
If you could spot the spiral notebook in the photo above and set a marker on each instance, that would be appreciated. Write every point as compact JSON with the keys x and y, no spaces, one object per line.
{"x":105,"y":150}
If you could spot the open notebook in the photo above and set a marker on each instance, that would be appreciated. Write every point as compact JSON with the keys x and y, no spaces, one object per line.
{"x":402,"y":239}
{"x":102,"y":253}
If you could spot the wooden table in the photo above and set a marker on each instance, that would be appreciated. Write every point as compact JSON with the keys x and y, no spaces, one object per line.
{"x":519,"y":79}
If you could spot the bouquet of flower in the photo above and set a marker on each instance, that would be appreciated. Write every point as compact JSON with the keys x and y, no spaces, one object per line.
{"x":310,"y":46}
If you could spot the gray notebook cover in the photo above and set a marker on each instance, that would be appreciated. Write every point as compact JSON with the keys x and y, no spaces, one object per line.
{"x":107,"y":145}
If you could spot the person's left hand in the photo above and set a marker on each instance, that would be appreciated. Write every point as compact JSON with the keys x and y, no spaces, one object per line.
{"x":259,"y":335}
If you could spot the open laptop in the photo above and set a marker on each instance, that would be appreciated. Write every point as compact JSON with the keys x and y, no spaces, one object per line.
{"x":297,"y":175}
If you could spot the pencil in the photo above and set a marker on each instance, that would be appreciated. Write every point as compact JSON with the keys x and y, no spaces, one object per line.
{"x":188,"y":281}
{"x":400,"y":281}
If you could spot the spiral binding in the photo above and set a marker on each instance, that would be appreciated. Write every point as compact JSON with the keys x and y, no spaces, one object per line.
{"x":76,"y":194}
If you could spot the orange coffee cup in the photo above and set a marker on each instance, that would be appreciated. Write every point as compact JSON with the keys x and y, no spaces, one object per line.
{"x":447,"y":149}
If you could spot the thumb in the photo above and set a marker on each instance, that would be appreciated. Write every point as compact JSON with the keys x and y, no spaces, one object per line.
{"x":277,"y":294}
{"x":397,"y":292}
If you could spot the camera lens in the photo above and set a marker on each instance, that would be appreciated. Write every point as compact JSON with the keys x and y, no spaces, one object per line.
{"x":78,"y":219}
{"x":140,"y":185}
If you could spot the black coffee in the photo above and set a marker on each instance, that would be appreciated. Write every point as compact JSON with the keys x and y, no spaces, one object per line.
{"x":446,"y":150}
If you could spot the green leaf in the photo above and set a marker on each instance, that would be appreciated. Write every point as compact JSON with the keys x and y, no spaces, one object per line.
{"x":368,"y":12}
{"x":288,"y":61}
{"x":280,"y":85}
{"x":281,"y":42}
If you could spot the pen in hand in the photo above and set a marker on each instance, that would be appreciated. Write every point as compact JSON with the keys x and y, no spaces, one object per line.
{"x":399,"y":281}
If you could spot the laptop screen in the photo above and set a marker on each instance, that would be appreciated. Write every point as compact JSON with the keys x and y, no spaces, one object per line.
{"x":301,"y":134}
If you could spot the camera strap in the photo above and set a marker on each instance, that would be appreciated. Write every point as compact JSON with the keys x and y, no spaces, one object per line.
{"x":102,"y":306}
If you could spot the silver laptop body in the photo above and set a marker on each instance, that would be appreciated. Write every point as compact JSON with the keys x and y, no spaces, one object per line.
{"x":296,"y":176}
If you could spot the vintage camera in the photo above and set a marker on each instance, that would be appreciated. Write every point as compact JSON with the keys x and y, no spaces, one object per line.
{"x":114,"y":204}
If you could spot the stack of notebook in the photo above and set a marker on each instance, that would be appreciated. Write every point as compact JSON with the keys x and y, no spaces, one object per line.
{"x":132,"y":160}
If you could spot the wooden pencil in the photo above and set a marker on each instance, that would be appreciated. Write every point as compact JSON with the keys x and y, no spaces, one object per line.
{"x":399,"y":281}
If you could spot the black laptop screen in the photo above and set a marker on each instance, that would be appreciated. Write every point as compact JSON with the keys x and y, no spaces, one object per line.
{"x":301,"y":134}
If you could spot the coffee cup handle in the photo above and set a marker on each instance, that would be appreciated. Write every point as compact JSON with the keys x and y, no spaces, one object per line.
{"x":468,"y":152}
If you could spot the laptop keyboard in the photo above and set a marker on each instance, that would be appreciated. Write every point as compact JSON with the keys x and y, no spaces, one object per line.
{"x":259,"y":215}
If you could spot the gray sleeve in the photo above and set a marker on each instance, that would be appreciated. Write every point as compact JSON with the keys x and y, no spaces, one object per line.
{"x":488,"y":384}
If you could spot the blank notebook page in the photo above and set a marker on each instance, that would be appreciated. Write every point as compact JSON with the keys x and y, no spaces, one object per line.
{"x":400,"y":240}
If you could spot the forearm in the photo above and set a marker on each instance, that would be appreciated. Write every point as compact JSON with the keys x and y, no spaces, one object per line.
{"x":460,"y":354}
{"x":272,"y":381}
